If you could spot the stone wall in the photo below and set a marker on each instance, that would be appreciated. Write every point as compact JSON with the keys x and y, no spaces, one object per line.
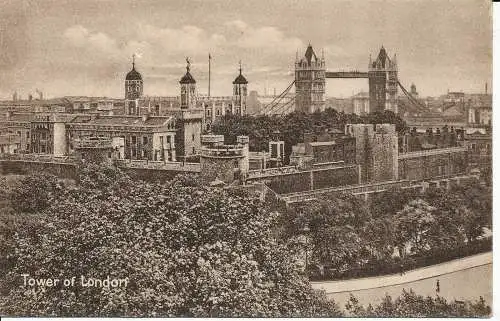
{"x":150,"y":175}
{"x":217,"y":168}
{"x":323,"y":178}
{"x":312,"y":179}
{"x":427,"y":166}
{"x":61,"y":170}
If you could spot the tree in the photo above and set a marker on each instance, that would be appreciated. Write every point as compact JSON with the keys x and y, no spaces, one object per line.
{"x":411,"y":305}
{"x":186,"y":249}
{"x":34,"y":192}
{"x":335,"y":225}
{"x":293,"y":126}
{"x":414,"y":225}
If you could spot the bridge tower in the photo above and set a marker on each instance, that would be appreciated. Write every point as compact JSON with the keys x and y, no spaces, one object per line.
{"x":383,"y":82}
{"x":310,"y":82}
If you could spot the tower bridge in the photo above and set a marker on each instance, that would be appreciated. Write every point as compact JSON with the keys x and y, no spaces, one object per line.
{"x":346,"y":74}
{"x":311,"y":74}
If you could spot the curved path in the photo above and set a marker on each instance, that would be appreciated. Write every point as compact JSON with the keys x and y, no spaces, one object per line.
{"x":460,"y":279}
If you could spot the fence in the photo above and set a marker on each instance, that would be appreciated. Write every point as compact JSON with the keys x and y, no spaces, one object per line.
{"x":398,"y":265}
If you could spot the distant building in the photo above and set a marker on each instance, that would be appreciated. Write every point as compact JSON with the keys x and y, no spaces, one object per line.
{"x":361,"y":103}
{"x":139,"y":137}
{"x":270,"y":104}
{"x":329,"y":147}
{"x":479,"y":109}
{"x":341,"y":105}
{"x":413,"y":91}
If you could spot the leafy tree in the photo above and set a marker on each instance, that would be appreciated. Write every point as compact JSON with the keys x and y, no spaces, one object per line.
{"x":293,"y":126}
{"x":411,"y":305}
{"x":187,"y":249}
{"x":335,"y":225}
{"x":33,"y":192}
{"x":414,"y":225}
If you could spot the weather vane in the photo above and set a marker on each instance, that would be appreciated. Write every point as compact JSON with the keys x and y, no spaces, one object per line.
{"x":188,"y":63}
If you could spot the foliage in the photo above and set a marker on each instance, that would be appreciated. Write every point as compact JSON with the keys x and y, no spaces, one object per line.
{"x":349,"y":238}
{"x":292,"y":127}
{"x":411,"y":305}
{"x":334,"y":230}
{"x":34,"y":192}
{"x":187,"y":250}
{"x":414,"y":224}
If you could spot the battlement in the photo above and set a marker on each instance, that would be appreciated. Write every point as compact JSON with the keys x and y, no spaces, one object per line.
{"x":222,"y":151}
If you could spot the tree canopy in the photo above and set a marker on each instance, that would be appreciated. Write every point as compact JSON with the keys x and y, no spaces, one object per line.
{"x":186,"y":249}
{"x":293,"y":126}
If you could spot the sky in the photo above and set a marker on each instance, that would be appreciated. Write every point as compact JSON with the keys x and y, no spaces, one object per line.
{"x":70,"y":47}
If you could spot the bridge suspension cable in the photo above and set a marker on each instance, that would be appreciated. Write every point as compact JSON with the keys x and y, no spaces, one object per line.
{"x":275,"y":101}
{"x":412,"y":99}
{"x":285,"y":107}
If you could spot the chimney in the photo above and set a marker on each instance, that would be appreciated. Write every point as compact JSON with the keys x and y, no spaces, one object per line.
{"x":486,"y":88}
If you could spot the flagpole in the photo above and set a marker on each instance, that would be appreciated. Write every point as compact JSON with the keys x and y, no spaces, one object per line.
{"x":209,"y":61}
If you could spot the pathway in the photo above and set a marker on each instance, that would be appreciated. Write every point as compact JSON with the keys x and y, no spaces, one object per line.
{"x":460,"y":279}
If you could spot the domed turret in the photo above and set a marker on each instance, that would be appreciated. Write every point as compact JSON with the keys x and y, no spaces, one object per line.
{"x":187,"y":78}
{"x":188,"y":89}
{"x":133,"y":75}
{"x":240,"y":80}
{"x":240,"y":94}
{"x":133,"y":90}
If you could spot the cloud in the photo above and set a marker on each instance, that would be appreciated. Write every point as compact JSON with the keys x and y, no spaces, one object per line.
{"x":262,"y":38}
{"x":160,"y":53}
{"x":188,"y":39}
{"x":82,"y":37}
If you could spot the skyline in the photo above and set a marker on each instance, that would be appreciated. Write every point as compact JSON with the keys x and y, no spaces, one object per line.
{"x":71,"y":48}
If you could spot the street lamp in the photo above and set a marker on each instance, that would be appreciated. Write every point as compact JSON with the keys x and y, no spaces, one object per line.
{"x":306,"y":231}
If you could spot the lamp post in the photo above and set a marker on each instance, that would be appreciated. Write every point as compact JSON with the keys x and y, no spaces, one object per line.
{"x":306,"y":231}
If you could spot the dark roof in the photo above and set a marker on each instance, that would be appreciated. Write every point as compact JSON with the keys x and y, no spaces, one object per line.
{"x":133,"y":74}
{"x":381,"y":57}
{"x":240,"y":79}
{"x":187,"y":78}
{"x":310,"y":54}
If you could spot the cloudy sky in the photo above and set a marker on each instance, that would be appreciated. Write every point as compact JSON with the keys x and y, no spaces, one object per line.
{"x":69,"y":47}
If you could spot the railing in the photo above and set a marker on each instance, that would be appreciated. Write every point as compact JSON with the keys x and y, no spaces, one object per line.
{"x":354,"y":189}
{"x":38,"y":158}
{"x":222,"y":150}
{"x":432,"y":152}
{"x":101,"y":143}
{"x":147,"y":164}
{"x":272,"y":171}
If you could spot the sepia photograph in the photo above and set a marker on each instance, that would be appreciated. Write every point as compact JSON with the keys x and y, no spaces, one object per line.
{"x":227,"y":158}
